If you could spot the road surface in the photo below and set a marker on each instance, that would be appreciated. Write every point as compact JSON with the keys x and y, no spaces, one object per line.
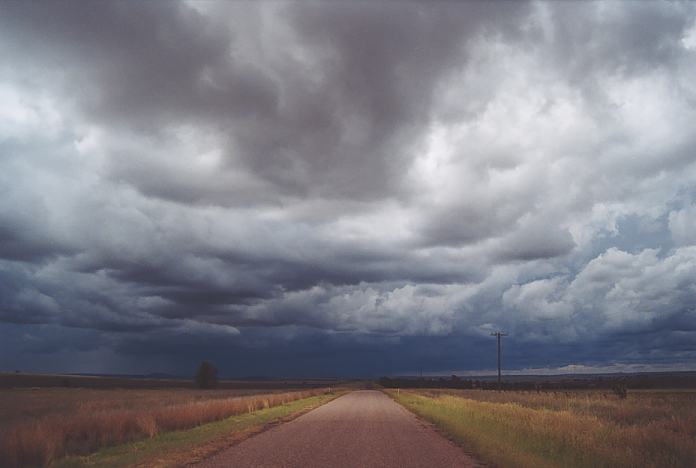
{"x":360,"y":429}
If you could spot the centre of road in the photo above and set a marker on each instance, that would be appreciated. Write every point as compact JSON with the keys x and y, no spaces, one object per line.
{"x":363,"y":428}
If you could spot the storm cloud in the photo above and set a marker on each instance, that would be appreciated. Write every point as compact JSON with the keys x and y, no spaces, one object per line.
{"x":346,"y":188}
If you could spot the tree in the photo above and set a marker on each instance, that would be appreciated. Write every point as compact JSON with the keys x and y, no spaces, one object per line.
{"x":207,"y":375}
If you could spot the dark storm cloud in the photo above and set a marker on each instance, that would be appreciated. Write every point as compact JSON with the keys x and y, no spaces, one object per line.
{"x":21,"y":242}
{"x":336,"y":108}
{"x":535,"y":240}
{"x":361,"y":185}
{"x":135,"y":62}
{"x":612,"y":38}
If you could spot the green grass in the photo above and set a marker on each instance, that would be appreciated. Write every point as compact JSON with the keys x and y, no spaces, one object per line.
{"x":171,"y":448}
{"x":518,"y":429}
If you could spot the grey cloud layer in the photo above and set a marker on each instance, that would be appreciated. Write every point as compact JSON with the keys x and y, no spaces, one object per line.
{"x":383,"y":170}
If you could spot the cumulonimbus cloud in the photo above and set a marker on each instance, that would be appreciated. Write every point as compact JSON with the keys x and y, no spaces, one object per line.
{"x":391,"y":170}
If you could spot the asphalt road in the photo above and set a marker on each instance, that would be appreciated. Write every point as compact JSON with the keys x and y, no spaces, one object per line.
{"x":361,"y":429}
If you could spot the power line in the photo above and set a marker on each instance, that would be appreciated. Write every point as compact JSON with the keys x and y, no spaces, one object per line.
{"x":498,"y":334}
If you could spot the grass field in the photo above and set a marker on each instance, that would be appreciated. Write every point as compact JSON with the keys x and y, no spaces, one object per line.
{"x":564,"y":429}
{"x":38,"y":426}
{"x":181,"y":448}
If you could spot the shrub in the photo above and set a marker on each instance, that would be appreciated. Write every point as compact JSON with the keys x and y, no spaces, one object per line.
{"x":620,"y":391}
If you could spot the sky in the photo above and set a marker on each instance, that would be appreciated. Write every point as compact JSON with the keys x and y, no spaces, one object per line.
{"x":347,"y":188}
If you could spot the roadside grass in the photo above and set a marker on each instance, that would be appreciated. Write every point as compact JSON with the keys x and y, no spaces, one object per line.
{"x":40,"y":438}
{"x":23,"y":405}
{"x":581,"y":429}
{"x":184,"y":447}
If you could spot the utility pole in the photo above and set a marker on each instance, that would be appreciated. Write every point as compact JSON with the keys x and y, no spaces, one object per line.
{"x":498,"y":334}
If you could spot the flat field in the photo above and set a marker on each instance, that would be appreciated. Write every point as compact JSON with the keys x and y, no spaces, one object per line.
{"x":40,"y":425}
{"x":655,"y":428}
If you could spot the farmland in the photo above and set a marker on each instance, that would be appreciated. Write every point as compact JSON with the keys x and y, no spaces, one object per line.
{"x":40,"y":425}
{"x":129,"y":424}
{"x":651,"y":428}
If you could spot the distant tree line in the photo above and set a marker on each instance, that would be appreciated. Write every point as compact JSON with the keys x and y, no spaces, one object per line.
{"x":635,"y":381}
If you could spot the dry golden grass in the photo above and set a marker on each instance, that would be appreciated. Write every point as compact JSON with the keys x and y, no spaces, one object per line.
{"x":573,"y":429}
{"x":39,"y":426}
